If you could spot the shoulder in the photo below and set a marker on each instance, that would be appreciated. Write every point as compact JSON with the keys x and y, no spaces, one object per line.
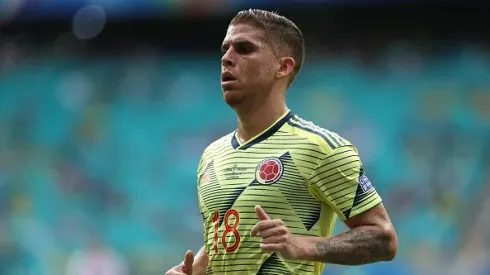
{"x":213,"y":148}
{"x":219,"y":143}
{"x":326,"y":140}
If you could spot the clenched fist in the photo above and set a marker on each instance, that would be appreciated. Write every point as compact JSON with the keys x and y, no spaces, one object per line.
{"x":275,"y":236}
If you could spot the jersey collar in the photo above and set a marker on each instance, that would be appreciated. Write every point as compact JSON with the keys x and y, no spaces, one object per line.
{"x":262,"y":136}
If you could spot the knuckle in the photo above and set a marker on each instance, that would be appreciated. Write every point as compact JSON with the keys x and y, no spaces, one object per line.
{"x":283,"y":230}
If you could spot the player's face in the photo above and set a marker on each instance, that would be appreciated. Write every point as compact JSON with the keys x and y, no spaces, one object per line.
{"x":248,"y":64}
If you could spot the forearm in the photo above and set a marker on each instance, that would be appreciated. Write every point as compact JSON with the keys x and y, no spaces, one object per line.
{"x":200,"y":262}
{"x":361,"y":245}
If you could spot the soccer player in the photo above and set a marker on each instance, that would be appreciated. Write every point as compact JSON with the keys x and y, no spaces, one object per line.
{"x":270,"y":191}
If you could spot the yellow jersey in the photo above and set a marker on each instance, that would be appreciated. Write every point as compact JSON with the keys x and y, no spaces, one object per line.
{"x":298,"y":172}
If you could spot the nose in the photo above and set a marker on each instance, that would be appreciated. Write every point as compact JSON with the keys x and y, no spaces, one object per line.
{"x":227,"y":59}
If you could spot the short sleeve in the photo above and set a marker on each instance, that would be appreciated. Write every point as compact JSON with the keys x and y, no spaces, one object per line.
{"x":339,"y":181}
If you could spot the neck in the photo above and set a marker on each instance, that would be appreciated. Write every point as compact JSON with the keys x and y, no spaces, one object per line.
{"x":255,"y":120}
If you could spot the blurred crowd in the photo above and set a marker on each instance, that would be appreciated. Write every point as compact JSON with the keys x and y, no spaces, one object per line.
{"x":99,"y":157}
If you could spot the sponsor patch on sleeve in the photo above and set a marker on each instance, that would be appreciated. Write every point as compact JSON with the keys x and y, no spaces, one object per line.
{"x":365,"y":183}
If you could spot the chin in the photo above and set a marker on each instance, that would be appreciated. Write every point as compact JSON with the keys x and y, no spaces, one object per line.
{"x":233,"y":97}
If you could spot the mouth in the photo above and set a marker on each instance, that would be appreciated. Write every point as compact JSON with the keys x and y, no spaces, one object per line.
{"x":227,"y":77}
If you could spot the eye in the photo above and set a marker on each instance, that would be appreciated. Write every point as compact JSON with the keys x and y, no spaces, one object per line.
{"x":245,"y":47}
{"x":224,"y":49}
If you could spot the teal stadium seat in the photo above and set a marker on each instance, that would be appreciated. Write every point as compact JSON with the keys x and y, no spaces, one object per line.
{"x":143,"y":130}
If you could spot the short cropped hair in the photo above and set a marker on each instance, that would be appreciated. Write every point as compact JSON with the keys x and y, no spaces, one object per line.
{"x":283,"y":34}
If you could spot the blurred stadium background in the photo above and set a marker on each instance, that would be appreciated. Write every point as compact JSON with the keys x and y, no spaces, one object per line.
{"x":106,"y":106}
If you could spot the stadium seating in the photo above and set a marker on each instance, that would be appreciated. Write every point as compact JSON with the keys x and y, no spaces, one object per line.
{"x":113,"y":146}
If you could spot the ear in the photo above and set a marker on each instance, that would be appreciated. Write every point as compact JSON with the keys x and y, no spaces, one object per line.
{"x":286,"y":67}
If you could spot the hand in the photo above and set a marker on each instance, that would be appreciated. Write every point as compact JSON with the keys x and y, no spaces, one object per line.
{"x":185,"y":268}
{"x":275,"y":236}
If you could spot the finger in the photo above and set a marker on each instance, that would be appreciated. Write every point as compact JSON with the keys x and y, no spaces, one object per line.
{"x":271,"y":247}
{"x":274,"y":240}
{"x":261,"y":213}
{"x":188,"y":261}
{"x":274,"y":231}
{"x":178,"y":270}
{"x":261,"y":226}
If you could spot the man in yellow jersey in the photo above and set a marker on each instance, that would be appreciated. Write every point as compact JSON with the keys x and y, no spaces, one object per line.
{"x":270,"y":191}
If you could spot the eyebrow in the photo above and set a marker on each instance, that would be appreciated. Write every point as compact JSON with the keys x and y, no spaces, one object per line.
{"x":253,"y":43}
{"x":240,"y":41}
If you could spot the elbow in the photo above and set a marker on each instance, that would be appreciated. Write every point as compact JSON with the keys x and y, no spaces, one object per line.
{"x":390,"y":242}
{"x":391,"y":250}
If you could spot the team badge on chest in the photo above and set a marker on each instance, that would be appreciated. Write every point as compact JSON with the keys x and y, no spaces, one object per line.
{"x":269,"y":171}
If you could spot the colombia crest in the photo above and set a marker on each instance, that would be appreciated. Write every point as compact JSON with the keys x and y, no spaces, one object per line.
{"x":269,"y":171}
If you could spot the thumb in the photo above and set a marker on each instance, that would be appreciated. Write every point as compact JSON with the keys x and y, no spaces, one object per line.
{"x":261,"y":213}
{"x":188,"y":261}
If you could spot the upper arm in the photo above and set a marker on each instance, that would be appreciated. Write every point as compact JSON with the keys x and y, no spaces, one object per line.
{"x":376,"y":216}
{"x":377,"y":222}
{"x":339,"y":181}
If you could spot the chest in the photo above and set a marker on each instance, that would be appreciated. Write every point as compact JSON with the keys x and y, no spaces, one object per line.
{"x":243,"y":168}
{"x":251,"y":172}
{"x":241,"y":180}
